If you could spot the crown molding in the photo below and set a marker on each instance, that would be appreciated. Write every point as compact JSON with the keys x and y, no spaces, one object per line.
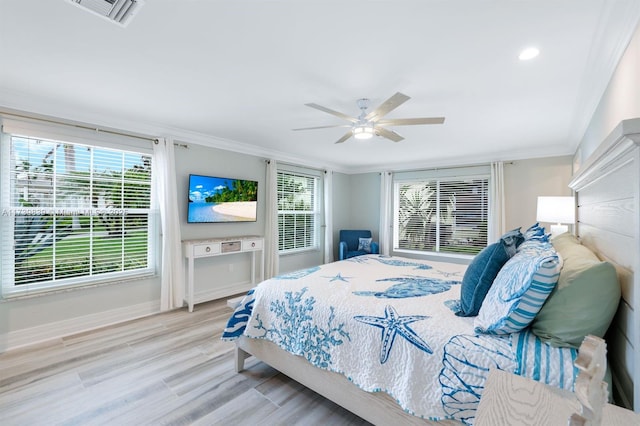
{"x":604,"y":57}
{"x":37,"y":107}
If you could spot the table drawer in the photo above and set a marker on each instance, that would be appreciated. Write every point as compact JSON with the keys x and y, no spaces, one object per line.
{"x":231,"y":246}
{"x":249,"y":245}
{"x":203,"y":250}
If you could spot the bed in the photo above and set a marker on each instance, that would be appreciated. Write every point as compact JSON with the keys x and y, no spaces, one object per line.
{"x":413,"y":360}
{"x":387,"y":325}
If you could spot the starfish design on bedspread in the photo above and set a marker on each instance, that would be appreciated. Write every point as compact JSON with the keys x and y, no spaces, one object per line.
{"x":339,"y":277}
{"x":393,"y":324}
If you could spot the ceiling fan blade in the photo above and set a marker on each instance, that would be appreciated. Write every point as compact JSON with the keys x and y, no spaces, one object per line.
{"x":387,"y":106}
{"x":324,"y":127}
{"x":332,"y":112}
{"x":389,"y":134}
{"x":345,"y":137}
{"x":410,"y":121}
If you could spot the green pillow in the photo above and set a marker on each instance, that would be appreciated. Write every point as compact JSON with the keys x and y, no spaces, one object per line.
{"x":585,"y":299}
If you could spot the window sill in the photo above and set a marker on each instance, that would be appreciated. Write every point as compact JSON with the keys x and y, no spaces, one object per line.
{"x":298,"y":251}
{"x":464,"y":259}
{"x":41,"y":292}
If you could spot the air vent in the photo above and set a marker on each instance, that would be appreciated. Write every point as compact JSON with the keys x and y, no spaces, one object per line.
{"x":119,"y":11}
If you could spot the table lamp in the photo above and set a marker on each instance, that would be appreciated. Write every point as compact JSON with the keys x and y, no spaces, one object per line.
{"x":558,"y":210}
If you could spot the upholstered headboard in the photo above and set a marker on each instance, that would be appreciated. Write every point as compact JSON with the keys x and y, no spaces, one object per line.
{"x":607,"y":190}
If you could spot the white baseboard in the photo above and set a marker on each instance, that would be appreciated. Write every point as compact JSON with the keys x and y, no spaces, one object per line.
{"x":56,"y":330}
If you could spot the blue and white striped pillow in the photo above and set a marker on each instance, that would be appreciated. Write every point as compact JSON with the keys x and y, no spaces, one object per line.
{"x":541,"y":362}
{"x":519,"y":290}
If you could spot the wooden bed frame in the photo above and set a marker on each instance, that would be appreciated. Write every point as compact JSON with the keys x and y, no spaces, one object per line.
{"x":607,"y":188}
{"x":377,"y":408}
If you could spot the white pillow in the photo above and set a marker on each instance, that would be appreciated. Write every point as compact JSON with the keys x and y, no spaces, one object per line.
{"x":364,"y":244}
{"x":519,"y":290}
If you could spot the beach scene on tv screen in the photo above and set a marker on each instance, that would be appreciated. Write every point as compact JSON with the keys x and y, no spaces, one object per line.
{"x":214,"y":199}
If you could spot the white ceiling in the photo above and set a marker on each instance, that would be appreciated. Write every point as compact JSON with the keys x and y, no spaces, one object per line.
{"x":237,"y":73}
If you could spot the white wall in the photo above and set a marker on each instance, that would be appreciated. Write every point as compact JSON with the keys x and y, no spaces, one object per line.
{"x":620,"y":101}
{"x":365,"y":203}
{"x":221,"y":271}
{"x":198,"y":159}
{"x":30,"y":320}
{"x":526,"y":180}
{"x":341,"y":207}
{"x":356,"y":204}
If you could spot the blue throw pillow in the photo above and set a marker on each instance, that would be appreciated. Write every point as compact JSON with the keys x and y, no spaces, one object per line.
{"x":483,"y":270}
{"x":513,"y":239}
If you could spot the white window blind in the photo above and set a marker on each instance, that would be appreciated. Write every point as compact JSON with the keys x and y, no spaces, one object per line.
{"x":298,"y":216}
{"x":446,"y":215}
{"x":76,"y":214}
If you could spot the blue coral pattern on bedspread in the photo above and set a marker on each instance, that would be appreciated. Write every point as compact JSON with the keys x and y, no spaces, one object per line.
{"x":383,"y":322}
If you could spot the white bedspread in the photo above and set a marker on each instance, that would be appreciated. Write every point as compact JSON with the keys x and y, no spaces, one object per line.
{"x":384,"y":323}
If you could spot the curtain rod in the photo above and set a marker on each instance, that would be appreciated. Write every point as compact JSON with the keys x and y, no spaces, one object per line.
{"x":268,"y":161}
{"x":178,"y":144}
{"x":445,"y":168}
{"x":79,"y":126}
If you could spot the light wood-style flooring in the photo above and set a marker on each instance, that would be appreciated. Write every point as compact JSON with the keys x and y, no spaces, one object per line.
{"x":167,"y":369}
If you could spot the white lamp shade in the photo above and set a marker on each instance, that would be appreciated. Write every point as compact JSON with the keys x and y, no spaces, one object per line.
{"x":556,"y":210}
{"x":363,"y":132}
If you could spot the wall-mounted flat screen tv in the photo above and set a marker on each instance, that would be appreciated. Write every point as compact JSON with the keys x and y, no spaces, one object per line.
{"x":219,"y":199}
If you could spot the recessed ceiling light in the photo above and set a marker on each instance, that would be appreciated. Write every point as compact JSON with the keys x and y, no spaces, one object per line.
{"x":528,"y":53}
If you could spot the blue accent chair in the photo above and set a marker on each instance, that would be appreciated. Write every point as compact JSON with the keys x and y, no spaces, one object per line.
{"x":349,"y":241}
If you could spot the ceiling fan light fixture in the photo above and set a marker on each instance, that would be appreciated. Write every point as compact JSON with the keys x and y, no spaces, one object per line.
{"x":363,"y":132}
{"x":365,"y":126}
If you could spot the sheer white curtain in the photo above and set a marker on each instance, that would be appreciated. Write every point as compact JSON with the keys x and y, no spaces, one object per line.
{"x":328,"y":216}
{"x":271,"y":259}
{"x":171,"y":267}
{"x":386,"y":217}
{"x":497,"y":224}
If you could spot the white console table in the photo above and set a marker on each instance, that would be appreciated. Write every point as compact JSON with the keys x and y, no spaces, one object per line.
{"x":195,"y":249}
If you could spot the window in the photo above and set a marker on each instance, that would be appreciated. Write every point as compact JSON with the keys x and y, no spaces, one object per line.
{"x":298,"y":211}
{"x":76,"y":214}
{"x":447,"y":215}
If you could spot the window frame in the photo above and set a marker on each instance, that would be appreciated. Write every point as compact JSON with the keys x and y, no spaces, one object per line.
{"x":315,"y":211}
{"x":438,"y":177}
{"x":62,"y":134}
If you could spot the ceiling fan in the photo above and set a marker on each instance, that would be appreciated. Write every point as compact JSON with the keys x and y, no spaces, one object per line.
{"x":368,"y":124}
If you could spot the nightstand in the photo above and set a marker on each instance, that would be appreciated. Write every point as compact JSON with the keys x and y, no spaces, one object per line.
{"x":509,"y":400}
